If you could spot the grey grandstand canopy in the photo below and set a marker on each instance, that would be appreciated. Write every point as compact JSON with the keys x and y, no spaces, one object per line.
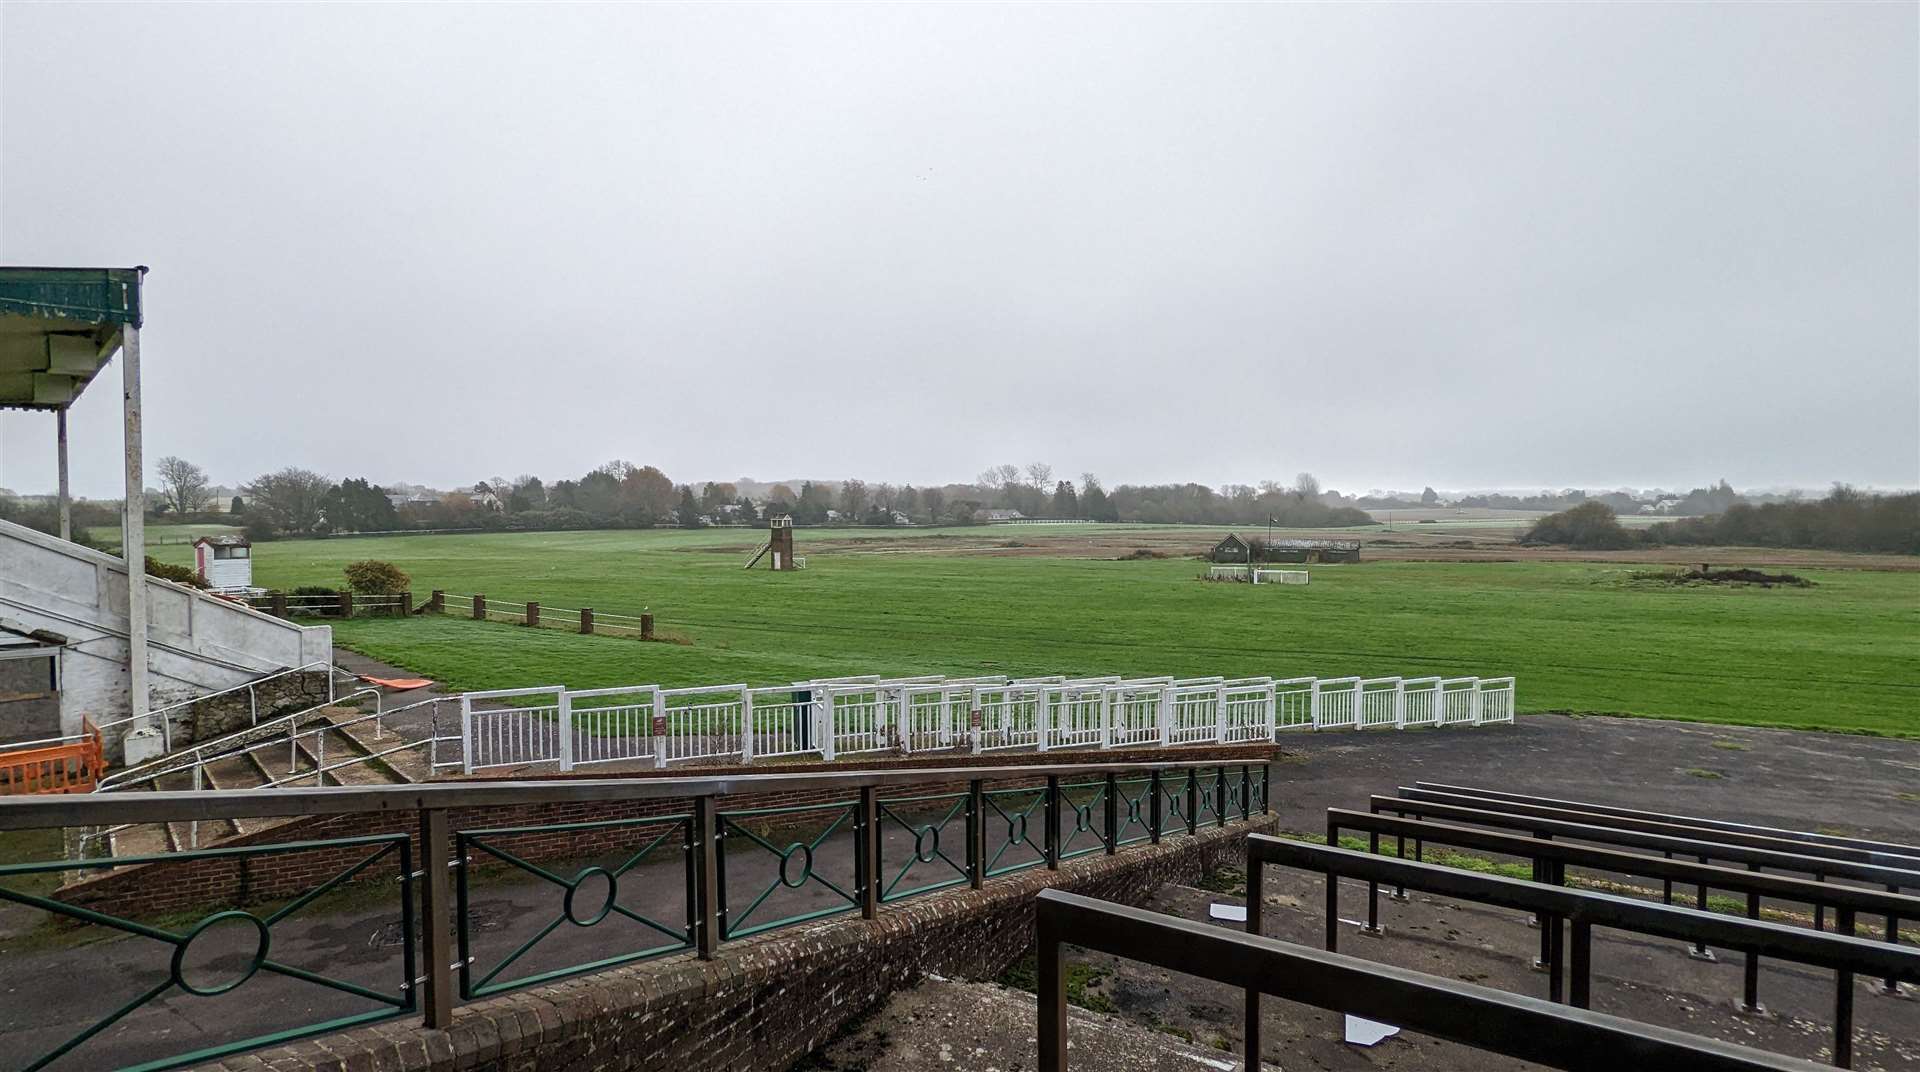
{"x":58,"y":329}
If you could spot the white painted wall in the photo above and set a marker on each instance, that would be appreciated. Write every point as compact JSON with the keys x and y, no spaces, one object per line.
{"x":200,"y":644}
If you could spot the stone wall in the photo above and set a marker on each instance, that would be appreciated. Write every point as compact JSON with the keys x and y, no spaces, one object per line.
{"x":218,"y":716}
{"x":761,"y":1003}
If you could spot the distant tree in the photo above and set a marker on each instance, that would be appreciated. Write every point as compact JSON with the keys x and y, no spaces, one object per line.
{"x":292,"y":501}
{"x":782,"y":494}
{"x":853,"y":500}
{"x":237,"y":507}
{"x":184,"y":484}
{"x":1039,"y":476}
{"x":687,"y":514}
{"x":1428,"y":496}
{"x":1065,"y":502}
{"x":934,"y":501}
{"x":713,"y":496}
{"x":598,"y":496}
{"x":648,"y":489}
{"x":812,"y":504}
{"x":1306,"y":488}
{"x":1591,"y":526}
{"x":527,"y":493}
{"x":355,"y":505}
{"x":908,"y":500}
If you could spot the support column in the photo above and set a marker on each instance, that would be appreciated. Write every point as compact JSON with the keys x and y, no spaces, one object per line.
{"x":64,"y":494}
{"x":133,"y":526}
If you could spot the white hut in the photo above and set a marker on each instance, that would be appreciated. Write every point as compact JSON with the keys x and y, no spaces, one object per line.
{"x":224,"y":562}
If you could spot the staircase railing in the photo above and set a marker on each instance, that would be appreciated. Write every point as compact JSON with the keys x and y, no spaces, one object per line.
{"x":159,"y":715}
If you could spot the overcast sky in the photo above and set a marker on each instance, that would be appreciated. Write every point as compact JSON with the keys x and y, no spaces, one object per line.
{"x":1499,"y":246}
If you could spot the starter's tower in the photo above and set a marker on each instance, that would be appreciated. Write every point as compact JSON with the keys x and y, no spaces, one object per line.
{"x":779,"y":545}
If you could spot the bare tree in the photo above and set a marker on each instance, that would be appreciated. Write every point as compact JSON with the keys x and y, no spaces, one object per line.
{"x":184,"y":484}
{"x":1306,"y":487}
{"x":1040,"y":475}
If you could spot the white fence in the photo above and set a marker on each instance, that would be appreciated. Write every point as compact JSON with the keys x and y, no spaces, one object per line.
{"x":827,"y":719}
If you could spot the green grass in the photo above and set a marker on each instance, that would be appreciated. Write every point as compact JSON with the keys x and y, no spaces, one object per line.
{"x":1840,"y":656}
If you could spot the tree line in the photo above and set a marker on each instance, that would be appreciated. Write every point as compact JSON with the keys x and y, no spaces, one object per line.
{"x":1845,"y":520}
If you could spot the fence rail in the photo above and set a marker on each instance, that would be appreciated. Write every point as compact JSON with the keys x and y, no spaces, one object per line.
{"x":1487,"y":1019}
{"x":867,"y":839}
{"x":1568,"y":959}
{"x":828,"y":719}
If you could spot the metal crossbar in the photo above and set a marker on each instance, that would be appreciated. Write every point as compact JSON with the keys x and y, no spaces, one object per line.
{"x":1510,"y":1024}
{"x":1559,"y":907}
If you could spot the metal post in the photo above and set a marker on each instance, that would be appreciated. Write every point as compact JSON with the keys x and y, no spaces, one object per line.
{"x":1256,"y":880}
{"x":1052,"y":997}
{"x":660,"y":728}
{"x":1053,"y":822}
{"x":1556,"y":957}
{"x":133,"y":532}
{"x":1373,"y":888}
{"x":1700,"y":950}
{"x":1750,"y":993}
{"x":976,"y":834}
{"x":1266,"y":789}
{"x":1890,"y":985}
{"x":1220,"y":796}
{"x":1246,"y":792}
{"x":706,"y":883}
{"x":746,"y":725}
{"x":565,"y":713}
{"x":1843,"y":998}
{"x":867,"y":855}
{"x":1043,"y":718}
{"x":1580,"y":965}
{"x":1154,"y":808}
{"x":63,"y":493}
{"x":1193,"y":800}
{"x":1113,"y":814}
{"x":436,"y":917}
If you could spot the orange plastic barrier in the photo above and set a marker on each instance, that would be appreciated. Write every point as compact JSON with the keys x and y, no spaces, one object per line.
{"x":73,"y":767}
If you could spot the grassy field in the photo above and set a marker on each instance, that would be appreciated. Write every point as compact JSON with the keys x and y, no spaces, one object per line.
{"x":1579,"y":636}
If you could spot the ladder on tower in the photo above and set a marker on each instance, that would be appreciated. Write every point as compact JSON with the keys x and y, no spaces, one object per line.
{"x":758,"y":554}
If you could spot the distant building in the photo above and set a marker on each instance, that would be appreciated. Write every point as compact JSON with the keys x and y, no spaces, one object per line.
{"x":1232,"y":549}
{"x":998,"y":516}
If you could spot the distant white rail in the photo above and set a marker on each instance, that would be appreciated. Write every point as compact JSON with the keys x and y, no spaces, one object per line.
{"x":828,"y":719}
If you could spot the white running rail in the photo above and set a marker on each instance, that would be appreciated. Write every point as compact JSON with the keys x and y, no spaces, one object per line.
{"x":870,"y":715}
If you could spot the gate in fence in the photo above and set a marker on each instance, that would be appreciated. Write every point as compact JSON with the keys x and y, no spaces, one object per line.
{"x":831,"y":718}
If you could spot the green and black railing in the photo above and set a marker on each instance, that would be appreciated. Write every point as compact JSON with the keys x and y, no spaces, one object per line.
{"x":460,"y":910}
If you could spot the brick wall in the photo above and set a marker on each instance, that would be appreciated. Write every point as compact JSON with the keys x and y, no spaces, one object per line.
{"x":762,"y":1003}
{"x":230,"y":882}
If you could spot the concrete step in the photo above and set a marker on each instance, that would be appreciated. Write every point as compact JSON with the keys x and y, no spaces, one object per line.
{"x":395,"y":767}
{"x":346,"y":760}
{"x":146,"y":839}
{"x":238,"y":772}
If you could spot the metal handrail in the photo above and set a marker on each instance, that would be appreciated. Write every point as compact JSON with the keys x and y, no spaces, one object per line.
{"x":1493,"y":1020}
{"x":1682,"y":820}
{"x":1556,"y":905}
{"x":196,"y":756}
{"x":101,"y":809}
{"x":159,"y":714}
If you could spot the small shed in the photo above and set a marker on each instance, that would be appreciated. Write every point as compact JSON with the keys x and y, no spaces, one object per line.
{"x":224,"y":562}
{"x":1231,"y":549}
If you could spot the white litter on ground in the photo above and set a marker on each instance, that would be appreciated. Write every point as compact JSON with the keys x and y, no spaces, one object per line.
{"x":1232,"y":912}
{"x":1365,"y":1032}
